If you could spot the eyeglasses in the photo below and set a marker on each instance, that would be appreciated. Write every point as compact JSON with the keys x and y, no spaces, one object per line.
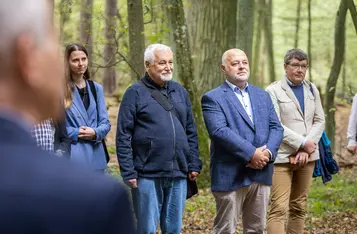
{"x":297,"y":66}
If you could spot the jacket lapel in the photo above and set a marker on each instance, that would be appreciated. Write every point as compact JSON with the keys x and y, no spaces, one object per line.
{"x":308,"y":95}
{"x":236,"y":103}
{"x":78,"y":105}
{"x":254,"y":103}
{"x":285,"y":86}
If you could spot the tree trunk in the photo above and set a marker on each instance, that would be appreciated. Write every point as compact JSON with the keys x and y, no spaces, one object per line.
{"x":245,"y":26}
{"x":352,"y":8}
{"x":136,"y":38}
{"x":65,"y":10}
{"x":257,"y":46}
{"x":212,"y":31}
{"x":110,"y":47}
{"x":298,"y":13}
{"x":179,"y":33}
{"x":329,"y":107}
{"x":86,"y":29}
{"x":344,"y":85}
{"x":309,"y":39}
{"x":268,"y":37}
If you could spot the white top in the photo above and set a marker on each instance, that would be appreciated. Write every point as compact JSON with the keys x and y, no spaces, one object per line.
{"x":352,"y":124}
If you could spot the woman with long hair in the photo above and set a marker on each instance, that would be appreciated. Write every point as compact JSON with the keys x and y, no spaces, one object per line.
{"x":86,"y":114}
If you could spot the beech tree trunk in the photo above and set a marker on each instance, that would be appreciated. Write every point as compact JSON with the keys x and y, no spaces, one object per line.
{"x":109,"y":78}
{"x":179,"y":34}
{"x":329,"y":99}
{"x":212,"y":31}
{"x":136,"y":38}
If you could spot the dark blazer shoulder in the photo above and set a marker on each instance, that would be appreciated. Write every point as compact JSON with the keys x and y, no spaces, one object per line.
{"x":50,"y":188}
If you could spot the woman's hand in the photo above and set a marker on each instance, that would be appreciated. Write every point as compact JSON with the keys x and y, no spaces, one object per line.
{"x":86,"y":133}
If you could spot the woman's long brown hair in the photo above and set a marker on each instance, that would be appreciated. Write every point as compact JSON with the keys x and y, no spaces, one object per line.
{"x":69,"y":87}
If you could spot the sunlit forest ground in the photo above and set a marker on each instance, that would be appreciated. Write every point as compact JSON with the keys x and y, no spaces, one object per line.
{"x":332,"y":208}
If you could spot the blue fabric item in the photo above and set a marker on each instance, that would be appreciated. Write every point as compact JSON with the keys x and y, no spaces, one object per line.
{"x":234,"y":138}
{"x":151,"y":142}
{"x":299,"y":94}
{"x":326,"y":166}
{"x":159,"y":199}
{"x":88,"y":153}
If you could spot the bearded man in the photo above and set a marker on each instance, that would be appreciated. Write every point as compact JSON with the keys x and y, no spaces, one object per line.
{"x":157,"y":145}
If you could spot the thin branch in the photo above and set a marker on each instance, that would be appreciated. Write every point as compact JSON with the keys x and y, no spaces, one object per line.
{"x":298,"y":13}
{"x":112,"y":61}
{"x":149,"y":10}
{"x":352,"y":8}
{"x":130,"y":65}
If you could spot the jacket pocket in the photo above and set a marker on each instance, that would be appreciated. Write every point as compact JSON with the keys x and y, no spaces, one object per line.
{"x":288,"y":110}
{"x":286,"y":105}
{"x":141,"y":153}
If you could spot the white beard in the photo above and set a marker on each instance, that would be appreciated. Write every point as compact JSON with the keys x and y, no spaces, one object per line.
{"x":166,"y":77}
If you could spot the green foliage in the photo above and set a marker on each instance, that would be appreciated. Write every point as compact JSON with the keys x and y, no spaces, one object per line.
{"x":339,"y":195}
{"x":115,"y":172}
{"x":333,"y":204}
{"x":111,"y":150}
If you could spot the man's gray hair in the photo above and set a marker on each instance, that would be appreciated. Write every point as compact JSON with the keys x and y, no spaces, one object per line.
{"x":297,"y":54}
{"x":225,"y":54}
{"x":21,"y":16}
{"x":149,"y":55}
{"x":224,"y":58}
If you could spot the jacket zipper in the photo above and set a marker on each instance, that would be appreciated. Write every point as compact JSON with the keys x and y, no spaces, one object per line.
{"x":173,"y":128}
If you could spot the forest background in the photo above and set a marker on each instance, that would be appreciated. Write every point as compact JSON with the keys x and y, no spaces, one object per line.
{"x":116,"y":32}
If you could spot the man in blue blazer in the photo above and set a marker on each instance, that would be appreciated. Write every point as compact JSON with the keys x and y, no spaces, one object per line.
{"x":245,"y":136}
{"x":39,"y":192}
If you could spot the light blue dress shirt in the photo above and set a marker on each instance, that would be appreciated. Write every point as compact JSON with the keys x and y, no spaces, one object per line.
{"x":243,"y":97}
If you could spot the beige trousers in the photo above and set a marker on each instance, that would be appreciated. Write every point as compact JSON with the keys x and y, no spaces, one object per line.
{"x":251,"y":202}
{"x":289,"y":192}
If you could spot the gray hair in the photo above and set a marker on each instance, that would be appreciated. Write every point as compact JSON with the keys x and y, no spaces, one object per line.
{"x":224,"y":58}
{"x":297,"y":54}
{"x":225,"y":54}
{"x":149,"y":54}
{"x":21,"y":16}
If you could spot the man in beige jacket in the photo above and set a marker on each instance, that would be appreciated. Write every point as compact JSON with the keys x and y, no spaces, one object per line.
{"x":298,"y":105}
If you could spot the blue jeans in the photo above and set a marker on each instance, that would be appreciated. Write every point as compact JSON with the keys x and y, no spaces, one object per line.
{"x":159,"y":198}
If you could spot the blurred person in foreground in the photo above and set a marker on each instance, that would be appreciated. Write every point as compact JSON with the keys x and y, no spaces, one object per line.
{"x":352,"y":128}
{"x":40,"y":193}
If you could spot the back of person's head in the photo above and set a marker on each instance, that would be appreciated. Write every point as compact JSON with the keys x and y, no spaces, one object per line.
{"x":31,"y":73}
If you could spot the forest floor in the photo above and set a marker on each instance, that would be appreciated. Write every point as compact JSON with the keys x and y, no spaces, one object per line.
{"x":332,"y":208}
